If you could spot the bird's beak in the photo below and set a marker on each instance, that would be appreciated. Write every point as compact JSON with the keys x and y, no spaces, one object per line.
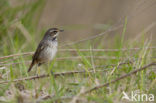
{"x":61,"y":30}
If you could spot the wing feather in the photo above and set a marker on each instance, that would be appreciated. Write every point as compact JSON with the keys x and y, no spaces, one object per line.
{"x":39,"y":49}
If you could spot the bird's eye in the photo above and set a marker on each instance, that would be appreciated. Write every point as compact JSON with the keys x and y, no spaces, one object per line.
{"x":55,"y":32}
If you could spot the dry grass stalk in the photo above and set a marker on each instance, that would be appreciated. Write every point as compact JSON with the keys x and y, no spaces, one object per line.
{"x":65,"y":73}
{"x":14,"y":55}
{"x":65,"y":58}
{"x":102,"y":50}
{"x":121,"y":77}
{"x":46,"y":75}
{"x":81,"y":50}
{"x":106,"y":84}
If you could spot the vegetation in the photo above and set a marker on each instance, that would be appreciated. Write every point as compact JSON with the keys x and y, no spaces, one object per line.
{"x":94,"y":66}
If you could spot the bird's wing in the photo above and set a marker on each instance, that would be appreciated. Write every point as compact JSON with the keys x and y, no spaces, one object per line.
{"x":39,"y":49}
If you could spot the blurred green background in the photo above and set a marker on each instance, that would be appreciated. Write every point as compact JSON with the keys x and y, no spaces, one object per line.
{"x":26,"y":20}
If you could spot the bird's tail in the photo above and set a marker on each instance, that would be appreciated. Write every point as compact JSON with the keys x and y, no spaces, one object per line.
{"x":32,"y":64}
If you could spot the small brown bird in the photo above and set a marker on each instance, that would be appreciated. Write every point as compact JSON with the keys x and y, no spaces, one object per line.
{"x":47,"y":48}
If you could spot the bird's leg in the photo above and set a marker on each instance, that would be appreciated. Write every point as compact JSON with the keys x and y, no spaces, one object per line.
{"x":38,"y":70}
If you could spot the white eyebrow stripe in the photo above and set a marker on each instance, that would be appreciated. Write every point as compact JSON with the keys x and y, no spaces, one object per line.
{"x":51,"y":30}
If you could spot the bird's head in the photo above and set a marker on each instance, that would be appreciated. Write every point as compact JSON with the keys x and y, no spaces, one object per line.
{"x":52,"y":33}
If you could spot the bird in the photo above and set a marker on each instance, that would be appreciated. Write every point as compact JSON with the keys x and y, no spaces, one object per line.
{"x":46,"y":49}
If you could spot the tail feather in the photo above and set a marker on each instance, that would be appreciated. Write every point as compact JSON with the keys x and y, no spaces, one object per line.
{"x":32,"y":64}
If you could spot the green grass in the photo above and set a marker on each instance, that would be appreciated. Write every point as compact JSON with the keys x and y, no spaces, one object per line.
{"x":14,"y":41}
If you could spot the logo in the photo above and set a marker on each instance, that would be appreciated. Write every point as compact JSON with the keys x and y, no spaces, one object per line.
{"x":137,"y":96}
